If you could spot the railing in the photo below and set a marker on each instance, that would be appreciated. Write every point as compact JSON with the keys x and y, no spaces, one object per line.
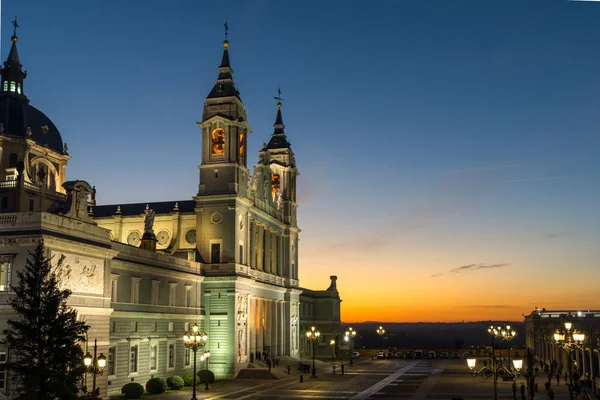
{"x":8,"y":219}
{"x":8,"y":184}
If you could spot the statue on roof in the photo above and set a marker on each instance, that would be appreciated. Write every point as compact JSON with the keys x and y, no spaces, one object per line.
{"x":149,"y":221}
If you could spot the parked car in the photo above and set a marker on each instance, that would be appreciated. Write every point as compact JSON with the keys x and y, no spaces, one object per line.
{"x":418,"y":354}
{"x":431,"y":355}
{"x":355,"y":354}
{"x":409,"y":355}
{"x":455,"y":355}
{"x":399,"y":354}
{"x":380,"y":355}
{"x":444,"y":355}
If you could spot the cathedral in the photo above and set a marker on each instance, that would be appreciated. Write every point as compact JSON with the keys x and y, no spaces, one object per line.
{"x":143,"y":274}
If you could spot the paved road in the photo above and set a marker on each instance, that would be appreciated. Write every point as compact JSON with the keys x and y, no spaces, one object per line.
{"x":377,"y":379}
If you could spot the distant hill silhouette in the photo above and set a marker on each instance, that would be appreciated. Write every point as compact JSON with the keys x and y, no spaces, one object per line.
{"x":433,"y":335}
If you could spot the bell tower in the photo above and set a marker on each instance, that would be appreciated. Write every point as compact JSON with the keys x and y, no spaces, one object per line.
{"x":224,"y":136}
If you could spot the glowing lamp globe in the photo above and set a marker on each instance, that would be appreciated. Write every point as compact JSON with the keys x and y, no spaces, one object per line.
{"x":518,"y":364}
{"x":471,"y":362}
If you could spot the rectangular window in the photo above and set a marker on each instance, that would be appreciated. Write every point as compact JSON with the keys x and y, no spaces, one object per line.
{"x":155,"y":286}
{"x":114,"y":284}
{"x":133,"y":358}
{"x":153,"y":350}
{"x":135,"y":290}
{"x":110,"y":362}
{"x":188,"y":295}
{"x":186,"y":327}
{"x":2,"y":372}
{"x":172,"y":293}
{"x":171,"y":356}
{"x":170,"y":327}
{"x":134,"y":326}
{"x":5,"y":273}
{"x":215,"y":253}
{"x":187,"y":356}
{"x":241,"y":253}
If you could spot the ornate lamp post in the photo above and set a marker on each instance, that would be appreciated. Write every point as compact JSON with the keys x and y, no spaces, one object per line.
{"x":569,"y":340}
{"x":313,"y":335}
{"x":194,"y":341}
{"x":507,"y":334}
{"x":495,"y":370}
{"x":380,"y":331}
{"x":349,"y":337}
{"x":204,"y":357}
{"x":332,"y":344}
{"x":94,"y":365}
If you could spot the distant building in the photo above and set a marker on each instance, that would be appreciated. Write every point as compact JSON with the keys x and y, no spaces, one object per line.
{"x":541,"y":325}
{"x":143,"y":274}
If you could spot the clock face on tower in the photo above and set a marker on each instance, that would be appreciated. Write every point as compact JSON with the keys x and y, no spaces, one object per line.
{"x":218,"y":142}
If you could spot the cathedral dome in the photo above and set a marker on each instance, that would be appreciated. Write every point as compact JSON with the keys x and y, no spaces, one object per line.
{"x":21,"y":119}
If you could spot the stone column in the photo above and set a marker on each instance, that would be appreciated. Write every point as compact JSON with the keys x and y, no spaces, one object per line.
{"x":280,"y":340}
{"x":259,"y":247}
{"x":273,"y":253}
{"x":252,"y":243}
{"x":274,"y":328}
{"x":252,"y":324}
{"x":267,"y":265}
{"x":259,"y":324}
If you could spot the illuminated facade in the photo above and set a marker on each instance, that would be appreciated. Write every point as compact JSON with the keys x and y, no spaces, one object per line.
{"x":226,"y":259}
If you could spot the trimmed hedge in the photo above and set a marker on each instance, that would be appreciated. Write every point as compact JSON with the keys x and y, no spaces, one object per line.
{"x":205,"y":375}
{"x":188,"y":379}
{"x":175,"y":382}
{"x":132,"y":390}
{"x":156,"y":386}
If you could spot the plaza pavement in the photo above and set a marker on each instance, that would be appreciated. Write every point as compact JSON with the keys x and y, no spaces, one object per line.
{"x":370,"y":379}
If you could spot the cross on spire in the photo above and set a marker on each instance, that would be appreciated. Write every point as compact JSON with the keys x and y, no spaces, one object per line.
{"x":226,"y":29}
{"x":15,"y":26}
{"x":278,"y":98}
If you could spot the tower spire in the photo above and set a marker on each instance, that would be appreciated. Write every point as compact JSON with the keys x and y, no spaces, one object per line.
{"x":278,"y":139}
{"x":224,"y":87}
{"x":12,"y":73}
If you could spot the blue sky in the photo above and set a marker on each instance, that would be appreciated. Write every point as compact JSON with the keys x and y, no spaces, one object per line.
{"x":429,"y":134}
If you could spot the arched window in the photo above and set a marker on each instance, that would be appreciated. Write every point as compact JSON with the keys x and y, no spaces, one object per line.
{"x":12,"y":160}
{"x":5,"y":86}
{"x":13,"y":86}
{"x":19,"y":88}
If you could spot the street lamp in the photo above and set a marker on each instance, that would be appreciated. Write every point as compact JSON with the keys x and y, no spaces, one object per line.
{"x":332,"y":343}
{"x":569,"y":340}
{"x":313,"y":335}
{"x":349,"y":337}
{"x":204,"y":357}
{"x":380,"y":331}
{"x":507,"y":334}
{"x":194,"y":341}
{"x":500,"y":332}
{"x":94,"y":365}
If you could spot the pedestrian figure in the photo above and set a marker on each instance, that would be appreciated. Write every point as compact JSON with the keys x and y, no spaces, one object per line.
{"x":551,"y":394}
{"x":514,"y":390}
{"x":342,"y":369}
{"x":269,"y":364}
{"x":566,"y":376}
{"x":522,"y":391}
{"x":535,"y":387}
{"x":558,"y":379}
{"x":251,"y":357}
{"x":288,"y":368}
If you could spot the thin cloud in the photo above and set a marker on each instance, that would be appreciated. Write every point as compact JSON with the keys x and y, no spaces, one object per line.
{"x":490,"y":306}
{"x":555,"y":235}
{"x":541,"y":178}
{"x":470,"y":267}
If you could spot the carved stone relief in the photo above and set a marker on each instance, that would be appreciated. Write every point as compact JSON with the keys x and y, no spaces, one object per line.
{"x":78,"y":273}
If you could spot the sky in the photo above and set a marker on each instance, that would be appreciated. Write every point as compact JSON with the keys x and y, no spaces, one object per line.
{"x":448,"y":150}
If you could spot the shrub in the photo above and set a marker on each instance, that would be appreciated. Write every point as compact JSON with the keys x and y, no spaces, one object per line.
{"x":156,"y":386}
{"x":188,"y":379}
{"x":206,"y":375}
{"x":132,"y":390}
{"x":175,"y":382}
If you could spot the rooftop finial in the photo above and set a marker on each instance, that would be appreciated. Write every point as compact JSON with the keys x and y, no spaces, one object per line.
{"x":226,"y":42}
{"x":278,"y":98}
{"x":15,"y":26}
